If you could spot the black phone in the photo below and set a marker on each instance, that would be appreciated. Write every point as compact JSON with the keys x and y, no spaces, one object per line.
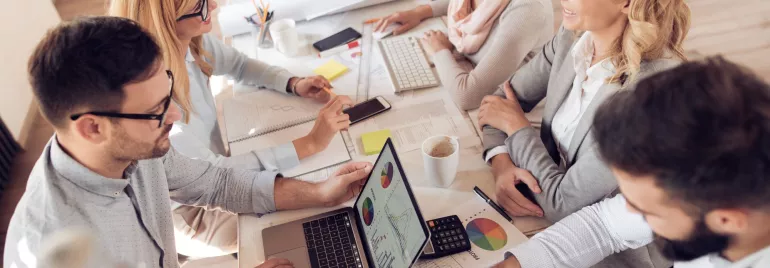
{"x":367,"y":109}
{"x":338,"y":39}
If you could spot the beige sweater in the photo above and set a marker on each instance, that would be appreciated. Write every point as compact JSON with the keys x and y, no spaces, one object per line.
{"x":521,"y":30}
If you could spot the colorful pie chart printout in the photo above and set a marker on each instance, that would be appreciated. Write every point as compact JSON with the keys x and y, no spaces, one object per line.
{"x":486,"y":234}
{"x":386,"y":175}
{"x":367,"y":211}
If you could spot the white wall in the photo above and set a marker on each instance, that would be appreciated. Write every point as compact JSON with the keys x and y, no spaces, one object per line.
{"x":22,"y":24}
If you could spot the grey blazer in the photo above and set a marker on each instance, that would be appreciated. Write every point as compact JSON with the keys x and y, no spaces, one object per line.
{"x":583,"y":179}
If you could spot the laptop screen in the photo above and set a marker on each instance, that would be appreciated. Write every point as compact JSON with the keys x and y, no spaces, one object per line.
{"x":391,"y":220}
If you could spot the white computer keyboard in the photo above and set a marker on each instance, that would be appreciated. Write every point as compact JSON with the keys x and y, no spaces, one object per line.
{"x":407,"y":65}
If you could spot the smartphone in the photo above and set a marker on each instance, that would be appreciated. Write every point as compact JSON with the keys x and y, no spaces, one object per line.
{"x":338,"y":39}
{"x":367,"y":109}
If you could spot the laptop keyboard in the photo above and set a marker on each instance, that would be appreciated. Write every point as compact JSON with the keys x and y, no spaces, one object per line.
{"x":331,"y":242}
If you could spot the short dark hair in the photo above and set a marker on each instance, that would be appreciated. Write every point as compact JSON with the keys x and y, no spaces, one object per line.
{"x":701,"y":130}
{"x":84,"y":65}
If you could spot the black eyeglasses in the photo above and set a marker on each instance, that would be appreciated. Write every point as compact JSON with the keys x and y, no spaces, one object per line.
{"x":161,"y":117}
{"x":202,"y":11}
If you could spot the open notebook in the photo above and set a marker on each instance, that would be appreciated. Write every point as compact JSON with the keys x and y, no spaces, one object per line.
{"x":265,"y":118}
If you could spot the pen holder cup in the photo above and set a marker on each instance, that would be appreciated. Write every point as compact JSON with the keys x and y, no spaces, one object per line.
{"x":261,"y":33}
{"x":441,"y":156}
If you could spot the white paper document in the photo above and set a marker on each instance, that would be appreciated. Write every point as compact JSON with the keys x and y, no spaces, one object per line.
{"x":490,"y":235}
{"x":411,"y":122}
{"x":410,"y":137}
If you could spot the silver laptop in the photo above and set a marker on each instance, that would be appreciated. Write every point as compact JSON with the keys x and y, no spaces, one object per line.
{"x":383,"y":229}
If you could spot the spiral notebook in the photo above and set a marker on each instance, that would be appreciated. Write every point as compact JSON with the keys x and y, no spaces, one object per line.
{"x":265,"y":119}
{"x":264,"y":111}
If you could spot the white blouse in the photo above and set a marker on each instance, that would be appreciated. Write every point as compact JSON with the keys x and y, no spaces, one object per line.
{"x":585,"y":86}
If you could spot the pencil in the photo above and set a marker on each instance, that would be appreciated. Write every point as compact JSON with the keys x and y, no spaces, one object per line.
{"x":264,"y":19}
{"x":369,"y":21}
{"x":330,"y":92}
{"x":264,"y":14}
{"x":256,"y":8}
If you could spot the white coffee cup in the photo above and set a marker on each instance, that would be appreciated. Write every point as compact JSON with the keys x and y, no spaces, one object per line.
{"x":285,"y":38}
{"x":442,"y":168}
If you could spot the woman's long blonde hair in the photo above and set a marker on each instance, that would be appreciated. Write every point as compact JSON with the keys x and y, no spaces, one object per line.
{"x":655,"y":28}
{"x":159,"y":18}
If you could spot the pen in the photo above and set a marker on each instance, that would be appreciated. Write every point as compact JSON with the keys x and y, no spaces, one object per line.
{"x":371,"y":20}
{"x":492,"y":203}
{"x":330,"y":92}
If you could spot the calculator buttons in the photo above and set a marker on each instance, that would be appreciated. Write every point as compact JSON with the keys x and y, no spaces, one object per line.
{"x":447,"y":236}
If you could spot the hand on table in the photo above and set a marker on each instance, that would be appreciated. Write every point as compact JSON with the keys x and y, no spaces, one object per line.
{"x":510,"y":262}
{"x":437,"y":41}
{"x":503,"y":113}
{"x":507,"y":176}
{"x":312,"y":88}
{"x":345,"y":184}
{"x":408,"y":20}
{"x":276,"y":263}
{"x":329,"y":122}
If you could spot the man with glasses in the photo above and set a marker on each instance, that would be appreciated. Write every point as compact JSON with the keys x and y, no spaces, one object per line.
{"x":109,"y":168}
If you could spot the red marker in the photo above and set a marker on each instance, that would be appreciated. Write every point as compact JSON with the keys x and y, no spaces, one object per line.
{"x":339,"y":49}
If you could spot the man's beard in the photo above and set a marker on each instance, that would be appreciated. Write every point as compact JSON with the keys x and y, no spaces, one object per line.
{"x":702,"y":242}
{"x":129,"y":149}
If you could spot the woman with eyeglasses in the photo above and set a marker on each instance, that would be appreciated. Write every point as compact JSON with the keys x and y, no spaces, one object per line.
{"x":181,"y":29}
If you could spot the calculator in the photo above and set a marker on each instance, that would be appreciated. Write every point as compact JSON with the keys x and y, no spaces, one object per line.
{"x":447,"y":237}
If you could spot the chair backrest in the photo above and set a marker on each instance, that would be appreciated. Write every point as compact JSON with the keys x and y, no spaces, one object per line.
{"x":8,"y":150}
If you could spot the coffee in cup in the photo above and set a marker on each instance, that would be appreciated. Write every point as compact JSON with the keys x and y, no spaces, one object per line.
{"x":441,"y":158}
{"x":442,"y":148}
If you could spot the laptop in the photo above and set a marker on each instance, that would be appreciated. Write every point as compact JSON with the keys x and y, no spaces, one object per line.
{"x":383,"y":229}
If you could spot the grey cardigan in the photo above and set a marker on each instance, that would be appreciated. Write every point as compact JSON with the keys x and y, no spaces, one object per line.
{"x":583,"y":179}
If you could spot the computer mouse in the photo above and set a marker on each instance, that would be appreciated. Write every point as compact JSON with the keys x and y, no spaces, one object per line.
{"x":386,"y":32}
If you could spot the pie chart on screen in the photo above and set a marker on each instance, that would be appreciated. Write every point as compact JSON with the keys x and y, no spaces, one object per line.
{"x":486,"y":234}
{"x":386,"y":175}
{"x":367,"y":211}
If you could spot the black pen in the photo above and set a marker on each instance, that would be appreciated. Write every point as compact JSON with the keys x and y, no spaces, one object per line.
{"x":492,"y":203}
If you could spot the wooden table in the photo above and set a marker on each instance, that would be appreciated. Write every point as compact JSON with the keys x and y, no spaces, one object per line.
{"x":472,"y":171}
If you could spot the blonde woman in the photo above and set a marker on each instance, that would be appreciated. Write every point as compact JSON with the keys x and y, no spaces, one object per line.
{"x":604,"y":46}
{"x":487,"y":41}
{"x":180,"y":27}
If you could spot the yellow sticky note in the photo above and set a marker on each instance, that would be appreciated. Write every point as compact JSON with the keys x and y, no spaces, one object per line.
{"x":373,"y":141}
{"x":331,"y":70}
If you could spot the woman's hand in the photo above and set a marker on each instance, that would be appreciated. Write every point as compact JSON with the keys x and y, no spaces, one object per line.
{"x":312,"y":87}
{"x":408,"y":19}
{"x":330,"y":121}
{"x":503,"y":113}
{"x":437,"y":41}
{"x":507,"y":176}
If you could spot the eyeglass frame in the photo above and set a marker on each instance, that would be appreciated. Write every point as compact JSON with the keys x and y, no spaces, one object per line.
{"x":161,"y":117}
{"x":204,"y":6}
